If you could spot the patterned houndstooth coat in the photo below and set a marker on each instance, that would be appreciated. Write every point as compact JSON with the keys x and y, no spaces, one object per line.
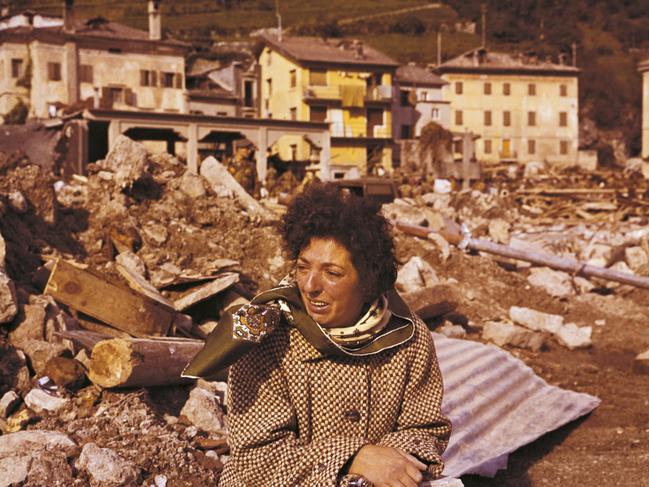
{"x":297,"y":417}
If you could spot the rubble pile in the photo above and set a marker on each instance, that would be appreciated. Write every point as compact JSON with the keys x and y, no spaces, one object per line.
{"x":109,"y":283}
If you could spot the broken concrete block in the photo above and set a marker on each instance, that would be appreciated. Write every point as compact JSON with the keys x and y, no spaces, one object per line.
{"x":192,"y":185}
{"x":202,"y":409}
{"x":8,"y":299}
{"x":8,"y":403}
{"x":156,"y":234}
{"x":106,"y":467}
{"x":222,"y":182}
{"x":14,"y":470}
{"x":416,"y":274}
{"x":572,"y":336}
{"x":535,"y":320}
{"x":499,"y":230}
{"x":128,"y":160}
{"x":402,"y":211}
{"x":40,"y":401}
{"x":31,"y":327}
{"x":583,"y":285}
{"x":504,"y":333}
{"x":641,"y":363}
{"x":452,"y":331}
{"x":433,"y":301}
{"x":555,"y":283}
{"x":29,"y":441}
{"x":636,"y":257}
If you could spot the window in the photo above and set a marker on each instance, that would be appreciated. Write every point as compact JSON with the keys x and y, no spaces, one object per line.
{"x":459,"y":88}
{"x":563,"y":90}
{"x":424,"y":95}
{"x":318,"y":77}
{"x":531,"y":146}
{"x":507,"y":118}
{"x":85,"y":73}
{"x":293,"y":152}
{"x":16,"y":68}
{"x":507,"y":89}
{"x":54,"y":71}
{"x":406,"y":131}
{"x":318,"y":114}
{"x":563,"y":147}
{"x":563,"y":119}
{"x":458,"y":117}
{"x":374,"y":80}
{"x":487,"y":88}
{"x":248,"y":98}
{"x":293,"y":77}
{"x":487,"y":147}
{"x":115,"y":95}
{"x":179,"y":81}
{"x":293,"y":113}
{"x":404,"y":98}
{"x":434,"y":113}
{"x":531,"y":89}
{"x":487,"y":118}
{"x":148,"y":78}
{"x":167,"y":79}
{"x":269,"y":59}
{"x":531,"y":119}
{"x":269,"y":85}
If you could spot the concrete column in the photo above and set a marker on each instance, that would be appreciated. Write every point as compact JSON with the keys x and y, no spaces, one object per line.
{"x":114,"y":131}
{"x":325,"y":156}
{"x":261,"y":156}
{"x":192,"y":148}
{"x":70,"y":70}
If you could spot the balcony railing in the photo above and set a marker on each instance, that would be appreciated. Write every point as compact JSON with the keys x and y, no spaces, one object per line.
{"x":379,"y":93}
{"x":375,"y":93}
{"x":359,"y":130}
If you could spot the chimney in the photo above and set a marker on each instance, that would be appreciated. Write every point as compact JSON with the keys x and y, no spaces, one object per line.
{"x":155,"y":26}
{"x":68,"y":15}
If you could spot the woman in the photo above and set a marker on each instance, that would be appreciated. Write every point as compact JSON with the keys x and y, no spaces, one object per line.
{"x":338,"y":383}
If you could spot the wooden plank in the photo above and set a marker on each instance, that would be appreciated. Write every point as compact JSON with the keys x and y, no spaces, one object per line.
{"x":206,"y":291}
{"x":118,"y":306}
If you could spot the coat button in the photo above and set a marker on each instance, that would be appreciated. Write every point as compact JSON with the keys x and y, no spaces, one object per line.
{"x":352,"y":415}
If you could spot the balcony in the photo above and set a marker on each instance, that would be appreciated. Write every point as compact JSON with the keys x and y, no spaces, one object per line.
{"x":359,"y":130}
{"x":379,"y":93}
{"x":322,"y":93}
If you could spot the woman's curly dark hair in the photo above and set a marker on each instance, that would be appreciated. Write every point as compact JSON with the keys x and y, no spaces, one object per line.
{"x":322,"y":210}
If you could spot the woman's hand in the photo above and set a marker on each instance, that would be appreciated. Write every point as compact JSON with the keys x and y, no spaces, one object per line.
{"x":387,"y":467}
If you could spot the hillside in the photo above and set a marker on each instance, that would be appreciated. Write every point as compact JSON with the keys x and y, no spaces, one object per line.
{"x":610,"y":36}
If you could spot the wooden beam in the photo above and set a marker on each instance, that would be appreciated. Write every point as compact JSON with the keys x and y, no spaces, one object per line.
{"x":118,"y":306}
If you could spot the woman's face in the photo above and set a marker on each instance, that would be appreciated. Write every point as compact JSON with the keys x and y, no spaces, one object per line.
{"x":329,"y":283}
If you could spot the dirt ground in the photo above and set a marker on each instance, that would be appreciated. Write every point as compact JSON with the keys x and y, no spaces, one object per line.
{"x":608,"y":447}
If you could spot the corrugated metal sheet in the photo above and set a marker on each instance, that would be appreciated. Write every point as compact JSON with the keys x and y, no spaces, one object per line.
{"x":497,"y":404}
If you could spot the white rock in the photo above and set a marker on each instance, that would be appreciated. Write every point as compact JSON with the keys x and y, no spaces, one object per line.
{"x":105,"y":175}
{"x":160,"y":480}
{"x":636,"y":257}
{"x":499,"y":230}
{"x":442,"y":186}
{"x":403,"y":211}
{"x":156,"y":233}
{"x":105,"y":466}
{"x":555,"y":283}
{"x":442,"y":244}
{"x":583,"y":285}
{"x":572,"y":336}
{"x":18,"y":202}
{"x":8,"y":403}
{"x":600,"y":322}
{"x":416,"y":274}
{"x":452,"y":331}
{"x":203,"y":410}
{"x":8,"y":299}
{"x":128,"y":160}
{"x":218,"y":388}
{"x":192,"y":185}
{"x":504,"y":333}
{"x":32,"y":440}
{"x":14,"y":470}
{"x":40,"y":401}
{"x":535,"y":320}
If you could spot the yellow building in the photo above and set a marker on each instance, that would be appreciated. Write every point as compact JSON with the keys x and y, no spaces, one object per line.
{"x":522,"y":108}
{"x":48,"y":62}
{"x":344,"y":83}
